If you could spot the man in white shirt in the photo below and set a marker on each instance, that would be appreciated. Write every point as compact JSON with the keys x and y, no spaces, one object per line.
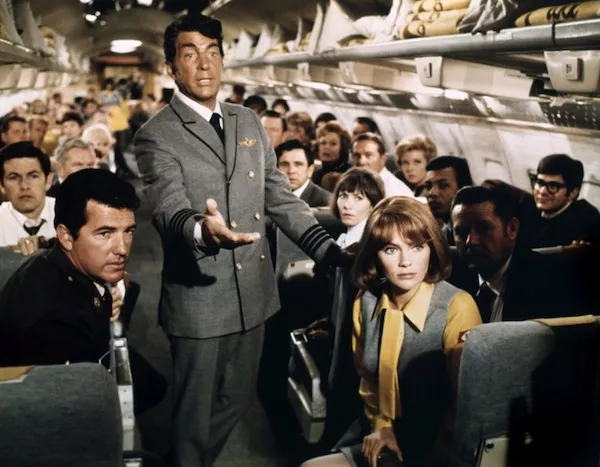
{"x":28,"y":215}
{"x":368,"y":150}
{"x":297,"y":162}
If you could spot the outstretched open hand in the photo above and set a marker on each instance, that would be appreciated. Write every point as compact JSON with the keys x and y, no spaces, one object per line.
{"x":215,"y":232}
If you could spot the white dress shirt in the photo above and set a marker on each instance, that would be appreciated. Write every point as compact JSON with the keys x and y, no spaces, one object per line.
{"x":205,"y":113}
{"x":393,"y":185}
{"x":298,"y":191}
{"x":11,"y":223}
{"x":352,"y":236}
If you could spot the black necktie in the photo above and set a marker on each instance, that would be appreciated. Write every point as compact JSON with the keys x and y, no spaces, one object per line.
{"x":33,"y":230}
{"x":485,"y":299}
{"x":216,"y":124}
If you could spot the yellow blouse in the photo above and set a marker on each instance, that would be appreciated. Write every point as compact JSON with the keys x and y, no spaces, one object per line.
{"x":382,"y":398}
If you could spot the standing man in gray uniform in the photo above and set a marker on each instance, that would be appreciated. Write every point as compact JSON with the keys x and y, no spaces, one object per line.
{"x":211,"y":177}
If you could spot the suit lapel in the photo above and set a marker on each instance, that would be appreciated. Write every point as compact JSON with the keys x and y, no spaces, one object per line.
{"x":305,"y":196}
{"x":198,"y":127}
{"x":230,"y":119}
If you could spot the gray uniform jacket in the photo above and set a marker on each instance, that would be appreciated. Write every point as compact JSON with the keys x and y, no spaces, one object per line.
{"x":183,"y":163}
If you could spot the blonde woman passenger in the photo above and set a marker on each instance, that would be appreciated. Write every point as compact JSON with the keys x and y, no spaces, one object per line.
{"x":102,"y":141}
{"x":412,"y":156}
{"x":409,"y":326}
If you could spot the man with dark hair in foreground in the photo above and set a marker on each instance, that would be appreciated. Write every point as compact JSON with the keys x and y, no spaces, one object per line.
{"x":57,"y":307}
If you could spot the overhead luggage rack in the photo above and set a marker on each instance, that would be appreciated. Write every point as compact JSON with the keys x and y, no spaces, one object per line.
{"x":10,"y":53}
{"x":574,"y":35}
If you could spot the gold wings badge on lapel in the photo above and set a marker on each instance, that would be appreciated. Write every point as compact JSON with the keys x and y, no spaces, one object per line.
{"x":247,"y":142}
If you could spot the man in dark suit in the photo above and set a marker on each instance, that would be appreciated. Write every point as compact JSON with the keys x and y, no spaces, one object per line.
{"x":56,"y":307}
{"x":515,"y":283}
{"x":297,"y":162}
{"x":562,"y":217}
{"x":211,"y":178}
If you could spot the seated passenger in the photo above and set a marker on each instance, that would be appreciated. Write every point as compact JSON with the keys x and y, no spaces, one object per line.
{"x":57,"y":306}
{"x":275,"y":126}
{"x":38,"y":126}
{"x":409,"y":326}
{"x":333,"y":143}
{"x":71,"y":157}
{"x":355,"y":195}
{"x":280,"y":106}
{"x":412,"y":156}
{"x":297,"y":162}
{"x":28,"y":214}
{"x":445,"y":176}
{"x":364,"y":125}
{"x":515,"y":283}
{"x":368,"y":150}
{"x":563,"y":218}
{"x":299,"y":126}
{"x":101,"y":139}
{"x":13,"y":129}
{"x":323,"y":118}
{"x":71,"y":126}
{"x":255,"y":102}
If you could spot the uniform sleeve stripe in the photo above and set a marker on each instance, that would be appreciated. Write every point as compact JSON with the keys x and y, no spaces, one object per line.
{"x":312,"y":239}
{"x":306,"y":236}
{"x":319,"y":243}
{"x":317,"y":239}
{"x":180,"y":218}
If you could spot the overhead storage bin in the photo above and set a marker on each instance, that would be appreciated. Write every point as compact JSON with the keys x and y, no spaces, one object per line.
{"x":9,"y":76}
{"x":331,"y":75}
{"x":473,"y":77}
{"x":574,"y":71}
{"x":27,"y":77}
{"x":382,"y":77}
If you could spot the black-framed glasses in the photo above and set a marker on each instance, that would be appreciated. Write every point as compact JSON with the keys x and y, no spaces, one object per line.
{"x":552,"y":187}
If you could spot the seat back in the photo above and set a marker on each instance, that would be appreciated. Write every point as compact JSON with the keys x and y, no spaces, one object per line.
{"x":305,"y":390}
{"x":9,"y":263}
{"x":60,"y":416}
{"x":527,"y":394}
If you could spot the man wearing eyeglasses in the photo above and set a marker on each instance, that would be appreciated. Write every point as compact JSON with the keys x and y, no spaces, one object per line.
{"x":563,"y":218}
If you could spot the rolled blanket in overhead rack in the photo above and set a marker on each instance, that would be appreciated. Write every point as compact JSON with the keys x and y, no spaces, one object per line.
{"x":303,"y":46}
{"x":440,"y":5}
{"x":559,"y":14}
{"x":429,"y":16}
{"x":280,"y":48}
{"x":49,"y":36}
{"x":440,"y":27}
{"x":353,"y":41}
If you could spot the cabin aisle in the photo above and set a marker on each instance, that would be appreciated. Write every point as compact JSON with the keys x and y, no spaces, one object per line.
{"x":252,"y":443}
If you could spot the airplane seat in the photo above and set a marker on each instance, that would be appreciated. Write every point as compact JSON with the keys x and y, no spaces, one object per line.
{"x":60,"y":415}
{"x":322,"y":381}
{"x":9,"y":263}
{"x":528,"y":394}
